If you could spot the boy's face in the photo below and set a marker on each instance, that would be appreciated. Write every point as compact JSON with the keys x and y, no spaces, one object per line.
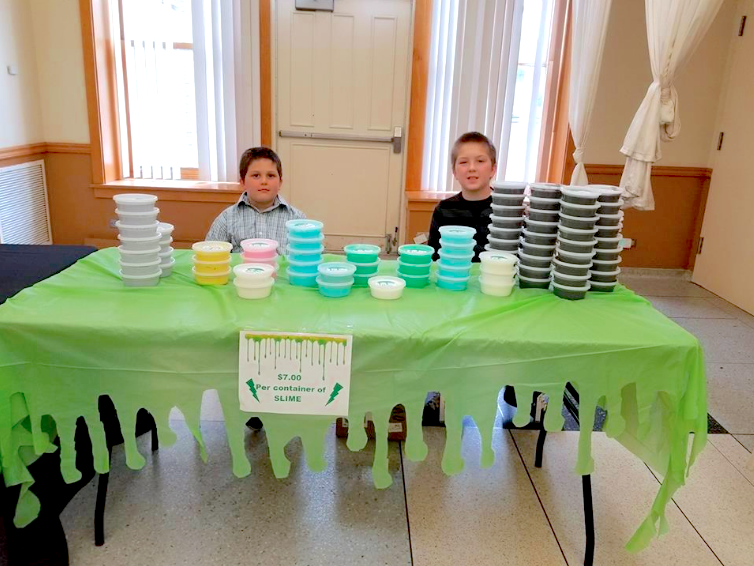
{"x":262,"y":182}
{"x":473,"y":167}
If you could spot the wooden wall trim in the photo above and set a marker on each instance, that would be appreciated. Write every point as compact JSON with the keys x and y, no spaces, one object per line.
{"x":79,"y":148}
{"x":173,"y":191}
{"x":418,"y":101}
{"x":22,"y":151}
{"x":265,"y":72}
{"x":659,"y":171}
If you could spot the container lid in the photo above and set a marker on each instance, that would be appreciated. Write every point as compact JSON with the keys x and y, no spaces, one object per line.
{"x":503,"y":207}
{"x":615,"y":250}
{"x":336,"y":269}
{"x":416,"y":249}
{"x":210,"y":275}
{"x":530,"y":233}
{"x":168,"y":251}
{"x":155,"y":226}
{"x":457,"y":231}
{"x":451,"y":279}
{"x":164,"y":228}
{"x":608,"y":261}
{"x":508,"y":184}
{"x":532,"y":280}
{"x":493,"y":228}
{"x":154,"y":212}
{"x":212,"y":246}
{"x":166,"y":265}
{"x":501,"y":241}
{"x":134,"y":198}
{"x":537,"y":246}
{"x":581,"y":218}
{"x":254,"y":283}
{"x":365,"y":249}
{"x":606,"y":273}
{"x":547,"y":269}
{"x":609,"y":204}
{"x":292,"y":271}
{"x":562,"y":263}
{"x":569,"y":288}
{"x":368,"y":264}
{"x":304,"y":224}
{"x":572,"y":277}
{"x":606,"y":189}
{"x":579,"y":191}
{"x":221,"y":262}
{"x":524,"y":255}
{"x":445,"y":253}
{"x":156,"y":238}
{"x":545,"y":186}
{"x":340,"y":284}
{"x":616,"y":239}
{"x":147,"y":264}
{"x":292,"y":238}
{"x":452,"y":245}
{"x":304,"y":263}
{"x":141,"y":277}
{"x":407,"y":276}
{"x":617,"y":216}
{"x":581,"y":206}
{"x":139,"y":252}
{"x":543,"y":200}
{"x":446,"y":267}
{"x":541,"y":222}
{"x":494,"y":281}
{"x":253,"y":270}
{"x":566,"y":253}
{"x":259,"y":244}
{"x":386,"y":282}
{"x":498,"y":257}
{"x":603,"y":283}
{"x":575,"y":243}
{"x":312,"y":251}
{"x":577,"y":230}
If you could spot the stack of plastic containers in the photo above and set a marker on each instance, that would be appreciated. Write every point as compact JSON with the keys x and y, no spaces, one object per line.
{"x":578,"y":215}
{"x":456,"y":252}
{"x":498,"y":272}
{"x":139,"y":241}
{"x":335,"y":279}
{"x":414,"y":263}
{"x":305,"y":247}
{"x":211,"y":262}
{"x":260,"y":250}
{"x":507,"y":215}
{"x":254,"y":280}
{"x":539,"y":236}
{"x":386,"y":288}
{"x":366,"y":259}
{"x":605,"y":270}
{"x":167,"y":261}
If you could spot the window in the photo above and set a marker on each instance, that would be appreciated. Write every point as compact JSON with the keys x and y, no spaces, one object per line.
{"x":487,"y":72}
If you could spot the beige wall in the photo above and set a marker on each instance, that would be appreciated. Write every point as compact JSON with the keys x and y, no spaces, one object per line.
{"x":625,"y":76}
{"x":20,"y":111}
{"x":60,"y":66}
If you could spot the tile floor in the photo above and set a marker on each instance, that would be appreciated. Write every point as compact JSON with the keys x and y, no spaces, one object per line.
{"x":178,"y":510}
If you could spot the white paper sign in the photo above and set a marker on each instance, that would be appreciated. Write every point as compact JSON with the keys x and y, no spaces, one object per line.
{"x":295,"y":374}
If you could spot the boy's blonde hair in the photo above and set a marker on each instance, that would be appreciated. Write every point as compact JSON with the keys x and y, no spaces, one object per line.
{"x":472,"y":137}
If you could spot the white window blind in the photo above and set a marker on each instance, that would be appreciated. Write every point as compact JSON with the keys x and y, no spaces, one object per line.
{"x":487,"y":73}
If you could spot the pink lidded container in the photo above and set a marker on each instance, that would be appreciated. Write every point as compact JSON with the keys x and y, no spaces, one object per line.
{"x":259,"y":248}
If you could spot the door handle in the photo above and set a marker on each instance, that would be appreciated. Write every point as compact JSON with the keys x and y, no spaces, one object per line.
{"x":397,"y":139}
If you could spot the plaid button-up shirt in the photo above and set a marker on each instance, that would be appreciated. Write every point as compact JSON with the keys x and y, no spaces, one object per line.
{"x":242,"y":221}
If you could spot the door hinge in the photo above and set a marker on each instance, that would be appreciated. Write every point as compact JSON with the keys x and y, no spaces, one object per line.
{"x":701,"y":245}
{"x":741,"y":26}
{"x":720,"y":141}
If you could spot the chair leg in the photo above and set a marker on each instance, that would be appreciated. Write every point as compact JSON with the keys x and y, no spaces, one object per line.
{"x":99,"y":507}
{"x":155,"y":441}
{"x":540,"y":447}
{"x":586,"y":484}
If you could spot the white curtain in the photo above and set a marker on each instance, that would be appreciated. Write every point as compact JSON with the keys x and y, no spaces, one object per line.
{"x":226,"y":77}
{"x":589,"y":23}
{"x":674,"y":29}
{"x":472,"y":74}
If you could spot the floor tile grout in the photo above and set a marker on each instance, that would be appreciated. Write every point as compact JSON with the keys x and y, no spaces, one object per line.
{"x":733,"y":434}
{"x":731,"y":463}
{"x":405,"y":501}
{"x":541,"y":504}
{"x":687,"y":519}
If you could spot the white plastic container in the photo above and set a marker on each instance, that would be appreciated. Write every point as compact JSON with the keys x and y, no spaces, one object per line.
{"x":141,"y":280}
{"x":165,"y":243}
{"x":498,"y":262}
{"x":251,"y":273}
{"x":139,"y":244}
{"x":139,"y":256}
{"x":165,"y":254}
{"x":495,"y":287}
{"x":254,"y":290}
{"x":164,"y":229}
{"x":139,"y":231}
{"x":386,"y":288}
{"x":136,"y":269}
{"x":137,"y":218}
{"x":167,"y":268}
{"x":135,"y":202}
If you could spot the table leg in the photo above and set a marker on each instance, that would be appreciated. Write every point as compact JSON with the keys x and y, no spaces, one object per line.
{"x":586,"y":484}
{"x":99,"y":506}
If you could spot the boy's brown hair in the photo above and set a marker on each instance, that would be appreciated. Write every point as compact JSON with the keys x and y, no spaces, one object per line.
{"x":472,"y":137}
{"x":254,"y":153}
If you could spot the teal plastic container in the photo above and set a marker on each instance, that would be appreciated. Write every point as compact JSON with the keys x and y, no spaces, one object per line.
{"x":333,"y":290}
{"x":305,"y":255}
{"x":414,"y":281}
{"x":418,"y":269}
{"x":457,"y":234}
{"x":304,"y":228}
{"x":457,"y":248}
{"x":416,"y":253}
{"x":367,"y":268}
{"x":452,"y":283}
{"x":457,"y":271}
{"x":301,"y":279}
{"x":450,"y":258}
{"x":362,"y":253}
{"x":336,"y":272}
{"x":362,"y":280}
{"x":304,"y":267}
{"x":297,"y":244}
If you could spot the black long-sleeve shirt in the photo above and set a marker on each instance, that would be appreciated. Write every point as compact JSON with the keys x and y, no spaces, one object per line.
{"x":457,"y":211}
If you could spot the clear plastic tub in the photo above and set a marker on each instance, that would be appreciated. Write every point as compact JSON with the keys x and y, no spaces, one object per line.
{"x":544,"y":215}
{"x":496,"y":262}
{"x":545,"y":190}
{"x":609,"y":219}
{"x":457,"y":248}
{"x":606,"y":265}
{"x":452,"y":283}
{"x":608,"y":243}
{"x":420,"y":269}
{"x":211,"y":267}
{"x":608,"y":231}
{"x":139,"y":256}
{"x":537,"y":249}
{"x":534,"y":272}
{"x":610,"y":207}
{"x":336,"y":272}
{"x":495,"y":287}
{"x":499,"y":244}
{"x":259,"y":248}
{"x":366,"y":268}
{"x":139,"y":244}
{"x":164,"y":229}
{"x":165,"y":243}
{"x":305,"y":244}
{"x":507,"y":211}
{"x":571,"y":268}
{"x":534,"y":261}
{"x":607,"y":193}
{"x":301,"y":279}
{"x":577,"y":235}
{"x":139,"y":231}
{"x":574,"y":258}
{"x":386,"y":288}
{"x":602,"y":287}
{"x":570,"y":293}
{"x":136,"y":269}
{"x":361,"y":253}
{"x":305,"y":267}
{"x":509,"y":187}
{"x":505,"y":233}
{"x":541,"y":227}
{"x":531,"y":283}
{"x":581,"y":210}
{"x":220,"y":278}
{"x":305,"y":256}
{"x":167,"y":268}
{"x":212,"y":250}
{"x":137,"y":218}
{"x":256,"y":290}
{"x":165,"y":254}
{"x":135,"y":202}
{"x":569,"y":280}
{"x":605,"y":276}
{"x":578,"y":222}
{"x":414,"y":281}
{"x":249,"y":273}
{"x":548,"y":204}
{"x":506,"y":199}
{"x":141,"y":280}
{"x":460,"y":271}
{"x":457,"y":234}
{"x":450,"y":258}
{"x":416,"y":253}
{"x":576,"y":247}
{"x":537,"y":238}
{"x":507,"y":222}
{"x":579,"y":195}
{"x":334,"y":290}
{"x":304,"y":228}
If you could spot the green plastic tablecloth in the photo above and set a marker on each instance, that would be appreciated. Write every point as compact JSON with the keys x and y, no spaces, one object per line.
{"x":81,"y":334}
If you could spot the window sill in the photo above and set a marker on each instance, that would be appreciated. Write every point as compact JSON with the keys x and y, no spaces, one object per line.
{"x":179,"y":191}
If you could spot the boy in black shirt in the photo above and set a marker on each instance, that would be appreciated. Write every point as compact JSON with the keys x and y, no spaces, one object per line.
{"x":474,"y":163}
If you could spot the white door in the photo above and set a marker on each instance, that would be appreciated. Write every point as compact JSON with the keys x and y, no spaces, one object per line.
{"x":726,"y":264}
{"x":342,"y":83}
